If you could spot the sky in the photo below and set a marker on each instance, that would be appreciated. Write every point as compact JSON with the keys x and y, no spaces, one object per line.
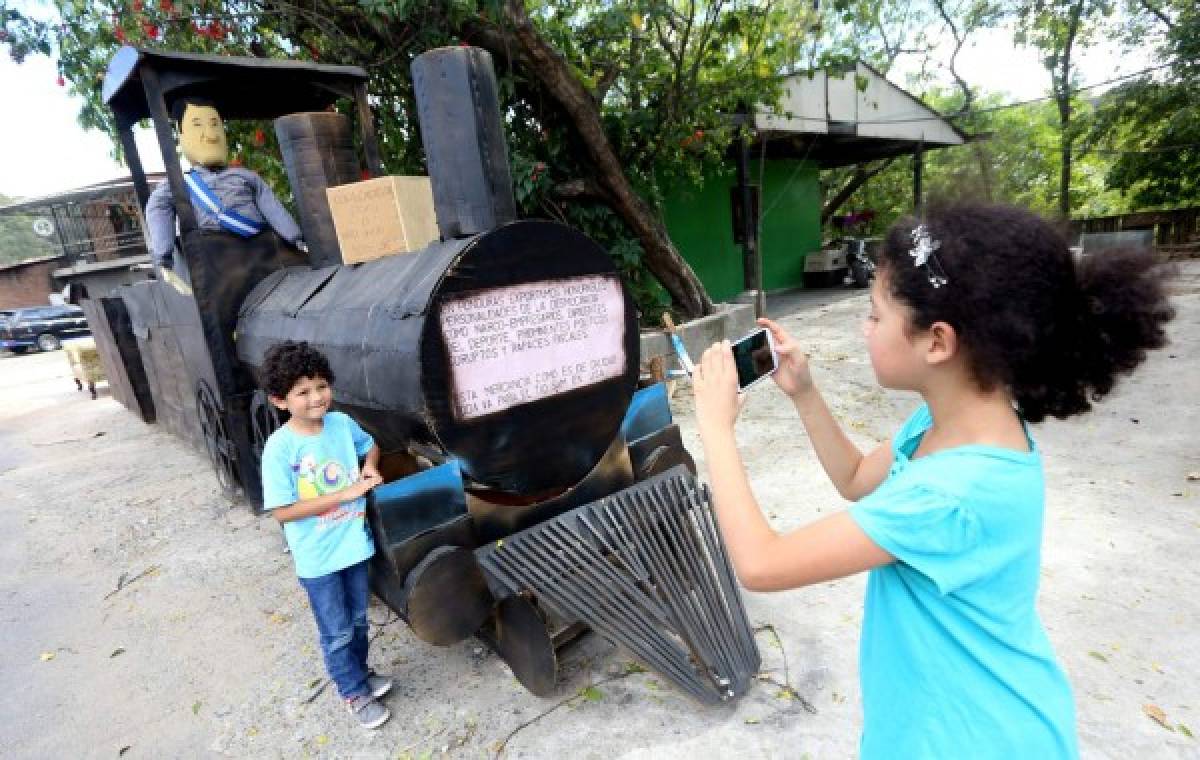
{"x":48,"y":152}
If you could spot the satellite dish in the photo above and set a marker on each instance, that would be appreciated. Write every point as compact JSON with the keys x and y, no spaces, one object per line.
{"x":43,"y":226}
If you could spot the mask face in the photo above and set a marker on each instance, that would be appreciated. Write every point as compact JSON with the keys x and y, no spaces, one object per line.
{"x":202,"y":136}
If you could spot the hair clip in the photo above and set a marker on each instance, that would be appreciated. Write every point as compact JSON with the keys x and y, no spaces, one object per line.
{"x":922,"y":253}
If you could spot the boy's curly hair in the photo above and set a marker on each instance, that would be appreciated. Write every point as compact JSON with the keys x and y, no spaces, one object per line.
{"x":287,"y":362}
{"x":1056,"y":333}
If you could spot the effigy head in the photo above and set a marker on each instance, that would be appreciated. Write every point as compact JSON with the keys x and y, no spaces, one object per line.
{"x":202,"y":134}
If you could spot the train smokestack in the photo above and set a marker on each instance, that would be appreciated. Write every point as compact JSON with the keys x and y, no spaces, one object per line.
{"x":463,"y":136}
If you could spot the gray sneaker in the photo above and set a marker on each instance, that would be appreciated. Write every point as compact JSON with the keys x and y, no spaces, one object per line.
{"x":379,"y":685}
{"x":368,"y":712}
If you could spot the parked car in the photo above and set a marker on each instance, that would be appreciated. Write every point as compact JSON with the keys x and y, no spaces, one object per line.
{"x":41,"y":327}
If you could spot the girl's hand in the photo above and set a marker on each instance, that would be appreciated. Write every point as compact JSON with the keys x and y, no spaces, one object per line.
{"x":369,"y":471}
{"x":715,"y":385}
{"x":793,"y":376}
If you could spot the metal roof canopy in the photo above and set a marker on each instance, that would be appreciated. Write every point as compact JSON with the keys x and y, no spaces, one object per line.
{"x":241,"y":87}
{"x":825,"y":117}
{"x":144,"y":84}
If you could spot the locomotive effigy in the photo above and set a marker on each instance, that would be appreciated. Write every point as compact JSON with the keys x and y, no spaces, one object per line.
{"x":532,"y":490}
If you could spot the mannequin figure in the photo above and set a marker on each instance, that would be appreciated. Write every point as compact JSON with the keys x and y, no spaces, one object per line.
{"x":227,"y":198}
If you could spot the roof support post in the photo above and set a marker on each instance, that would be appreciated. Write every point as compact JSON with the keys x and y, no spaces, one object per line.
{"x":134,"y":161}
{"x":751,"y":261}
{"x":166,"y":144}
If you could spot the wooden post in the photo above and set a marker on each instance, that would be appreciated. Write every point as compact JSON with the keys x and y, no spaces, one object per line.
{"x":366,"y":126}
{"x":751,"y":264}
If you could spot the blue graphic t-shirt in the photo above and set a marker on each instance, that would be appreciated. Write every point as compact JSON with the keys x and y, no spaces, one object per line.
{"x":954,"y":661}
{"x":297,"y":467}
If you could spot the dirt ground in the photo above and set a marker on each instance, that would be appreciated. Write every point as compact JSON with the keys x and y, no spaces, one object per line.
{"x":208,"y":647}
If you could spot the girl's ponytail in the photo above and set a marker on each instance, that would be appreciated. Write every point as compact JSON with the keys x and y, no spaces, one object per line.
{"x":1124,"y":313}
{"x":1117,"y":312}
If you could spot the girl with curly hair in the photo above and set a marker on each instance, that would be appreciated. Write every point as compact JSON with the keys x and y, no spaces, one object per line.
{"x":984,"y":312}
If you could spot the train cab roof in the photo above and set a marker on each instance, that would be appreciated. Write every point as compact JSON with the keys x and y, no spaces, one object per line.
{"x":240,"y":87}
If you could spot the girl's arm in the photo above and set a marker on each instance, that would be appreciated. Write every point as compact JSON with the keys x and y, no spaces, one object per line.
{"x":832,"y":547}
{"x":853,"y":475}
{"x":319,"y":505}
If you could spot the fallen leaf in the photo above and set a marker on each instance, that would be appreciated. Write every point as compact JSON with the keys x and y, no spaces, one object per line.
{"x":1185,"y":730}
{"x":123,"y":750}
{"x":1159,"y":717}
{"x":117,"y":651}
{"x":592,"y":694}
{"x":751,"y":721}
{"x":1193,"y":476}
{"x":196,"y":707}
{"x":1098,"y":656}
{"x":322,"y":739}
{"x":1156,"y":666}
{"x":279,"y":617}
{"x":313,"y":683}
{"x":47,"y":656}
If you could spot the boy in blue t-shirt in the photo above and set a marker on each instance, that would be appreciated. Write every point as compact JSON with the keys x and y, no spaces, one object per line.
{"x":313,"y":486}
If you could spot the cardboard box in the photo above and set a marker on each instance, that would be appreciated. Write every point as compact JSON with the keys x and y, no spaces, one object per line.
{"x":382,"y":216}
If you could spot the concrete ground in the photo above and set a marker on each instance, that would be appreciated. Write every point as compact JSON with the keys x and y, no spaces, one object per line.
{"x":208,"y":648}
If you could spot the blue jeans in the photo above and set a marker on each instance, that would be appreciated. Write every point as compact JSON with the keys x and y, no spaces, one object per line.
{"x":339,"y":603}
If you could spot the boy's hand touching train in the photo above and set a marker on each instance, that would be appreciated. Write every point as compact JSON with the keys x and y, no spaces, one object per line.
{"x":715,"y":385}
{"x":365,"y":484}
{"x":793,"y":376}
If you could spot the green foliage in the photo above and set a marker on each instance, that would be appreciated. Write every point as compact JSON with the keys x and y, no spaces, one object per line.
{"x":1015,"y":159}
{"x":665,"y":76}
{"x":1150,"y":127}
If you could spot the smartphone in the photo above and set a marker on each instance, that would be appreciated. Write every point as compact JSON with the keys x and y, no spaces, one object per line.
{"x":755,"y":358}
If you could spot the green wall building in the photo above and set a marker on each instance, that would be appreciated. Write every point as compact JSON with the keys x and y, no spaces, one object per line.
{"x":825,"y":120}
{"x":700,"y":221}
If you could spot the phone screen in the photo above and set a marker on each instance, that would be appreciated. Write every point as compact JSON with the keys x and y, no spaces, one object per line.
{"x":753,"y":357}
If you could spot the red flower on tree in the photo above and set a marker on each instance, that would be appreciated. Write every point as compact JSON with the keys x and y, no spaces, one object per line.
{"x":259,"y":137}
{"x":61,"y":82}
{"x":119,"y":33}
{"x":150,"y":29}
{"x":167,"y":6}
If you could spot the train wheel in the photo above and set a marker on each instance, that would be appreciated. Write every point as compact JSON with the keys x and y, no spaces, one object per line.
{"x":265,"y":419}
{"x":220,"y":448}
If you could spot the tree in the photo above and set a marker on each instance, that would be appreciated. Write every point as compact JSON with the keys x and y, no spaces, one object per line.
{"x":607,"y":103}
{"x":1150,"y":126}
{"x":1059,"y":28}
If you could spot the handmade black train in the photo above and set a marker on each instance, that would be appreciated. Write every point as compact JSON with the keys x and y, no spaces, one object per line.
{"x":532,"y":491}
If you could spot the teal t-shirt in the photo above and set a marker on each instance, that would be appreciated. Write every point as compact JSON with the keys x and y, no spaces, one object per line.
{"x":297,"y":467}
{"x":954,"y":659}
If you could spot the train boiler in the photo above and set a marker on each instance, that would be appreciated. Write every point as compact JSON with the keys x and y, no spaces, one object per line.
{"x":532,"y":491}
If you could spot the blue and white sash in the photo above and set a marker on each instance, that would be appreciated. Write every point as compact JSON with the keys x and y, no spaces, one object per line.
{"x":202,"y":194}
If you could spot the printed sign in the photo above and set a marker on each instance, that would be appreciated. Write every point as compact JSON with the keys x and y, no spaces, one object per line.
{"x":513,"y":345}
